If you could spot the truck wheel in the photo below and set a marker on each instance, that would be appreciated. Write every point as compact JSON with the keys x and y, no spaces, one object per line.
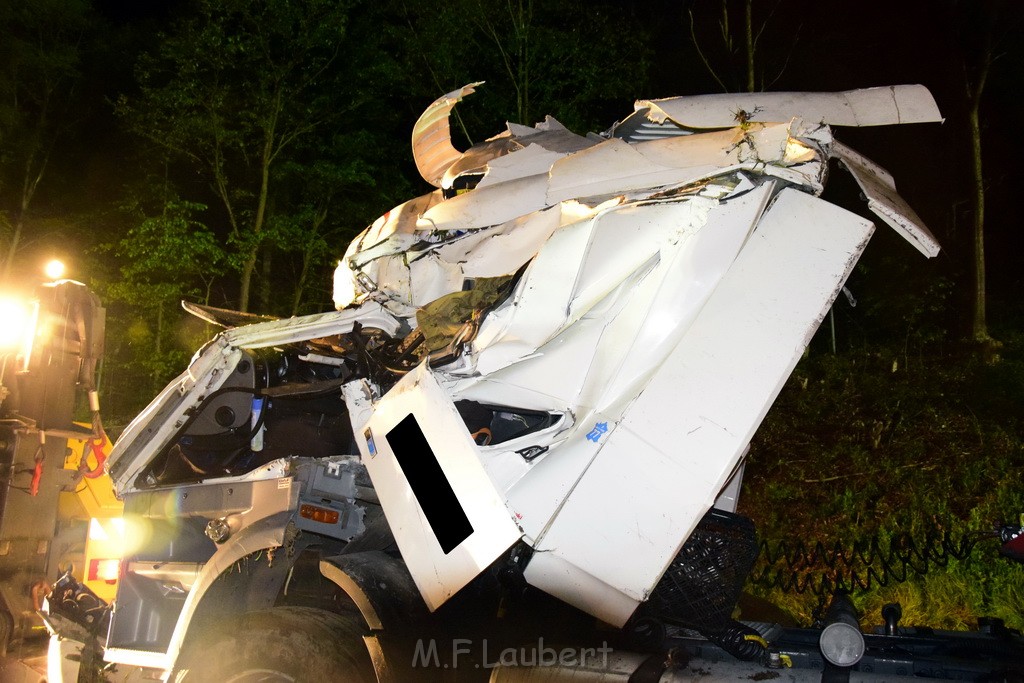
{"x":280,"y":644}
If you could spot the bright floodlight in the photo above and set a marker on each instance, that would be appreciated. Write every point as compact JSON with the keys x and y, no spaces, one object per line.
{"x":54,"y":269}
{"x":13,"y":321}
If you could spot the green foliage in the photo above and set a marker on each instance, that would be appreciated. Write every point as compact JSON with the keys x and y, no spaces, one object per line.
{"x":327,"y":189}
{"x":279,"y":106}
{"x":581,"y":62}
{"x":166,"y":257}
{"x":881,"y":441}
{"x":239,"y":89}
{"x":171,"y":252}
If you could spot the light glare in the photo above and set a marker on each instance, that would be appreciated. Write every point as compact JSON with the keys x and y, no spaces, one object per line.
{"x":54,"y":269}
{"x":13,"y":322}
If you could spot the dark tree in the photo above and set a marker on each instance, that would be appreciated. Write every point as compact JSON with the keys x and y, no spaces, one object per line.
{"x":40,"y":52}
{"x":234,"y":89}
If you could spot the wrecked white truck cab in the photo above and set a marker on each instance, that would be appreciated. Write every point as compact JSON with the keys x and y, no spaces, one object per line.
{"x":552,"y":364}
{"x":667,"y":279}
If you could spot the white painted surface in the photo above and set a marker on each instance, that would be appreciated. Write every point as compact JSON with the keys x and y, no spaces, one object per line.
{"x":880,"y":189}
{"x":882,"y":106}
{"x":437,"y":575}
{"x":597,"y":366}
{"x":661,"y":467}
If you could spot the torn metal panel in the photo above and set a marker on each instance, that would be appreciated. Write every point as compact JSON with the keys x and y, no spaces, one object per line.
{"x":505,"y":156}
{"x":614,"y":167}
{"x":431,"y":136}
{"x":551,"y":135}
{"x":503,"y":249}
{"x":431,"y":278}
{"x":691,"y":275}
{"x":447,"y":518}
{"x":487,"y":206}
{"x":617,"y":166}
{"x":624,"y":327}
{"x":440,"y":163}
{"x":684,"y":434}
{"x":476,"y":159}
{"x":884,"y":106}
{"x":880,"y":189}
{"x":529,"y":161}
{"x":392,"y":233}
{"x":615,"y":245}
{"x":625,"y":340}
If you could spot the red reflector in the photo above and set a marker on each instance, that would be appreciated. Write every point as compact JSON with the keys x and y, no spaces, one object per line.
{"x":318,"y":514}
{"x":104,"y":570}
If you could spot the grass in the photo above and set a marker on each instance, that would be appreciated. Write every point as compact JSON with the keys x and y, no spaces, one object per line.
{"x":882,"y":442}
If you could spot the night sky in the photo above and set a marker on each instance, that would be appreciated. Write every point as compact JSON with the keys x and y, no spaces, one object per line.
{"x":805,"y":45}
{"x":831,"y":45}
{"x":822,"y":45}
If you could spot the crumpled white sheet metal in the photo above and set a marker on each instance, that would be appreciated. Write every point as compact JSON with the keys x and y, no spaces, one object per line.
{"x":884,"y":106}
{"x":662,"y":314}
{"x":880,"y":190}
{"x":660,"y":461}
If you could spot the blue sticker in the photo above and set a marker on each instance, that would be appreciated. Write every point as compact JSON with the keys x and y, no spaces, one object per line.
{"x":370,"y":446}
{"x":600,"y":428}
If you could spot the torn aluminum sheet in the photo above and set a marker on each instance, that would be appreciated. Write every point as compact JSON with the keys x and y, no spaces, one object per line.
{"x":887,"y":106}
{"x":643,"y":295}
{"x":431,"y":136}
{"x":880,"y":190}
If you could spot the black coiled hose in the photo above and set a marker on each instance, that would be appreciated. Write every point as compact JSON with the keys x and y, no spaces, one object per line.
{"x":739,"y":640}
{"x":798,"y":567}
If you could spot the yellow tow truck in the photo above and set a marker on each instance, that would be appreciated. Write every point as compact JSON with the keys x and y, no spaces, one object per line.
{"x":58,"y":513}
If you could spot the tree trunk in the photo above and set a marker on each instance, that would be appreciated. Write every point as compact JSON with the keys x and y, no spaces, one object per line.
{"x":266,"y":280}
{"x":307,"y":258}
{"x":300,"y":286}
{"x":12,"y":249}
{"x":749,"y":27}
{"x":524,"y":22}
{"x":30,"y":183}
{"x":261,"y":205}
{"x":979,"y":324}
{"x":154,"y":378}
{"x":245,"y":280}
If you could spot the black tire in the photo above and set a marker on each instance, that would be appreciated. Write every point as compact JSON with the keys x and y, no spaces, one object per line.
{"x":299,"y":644}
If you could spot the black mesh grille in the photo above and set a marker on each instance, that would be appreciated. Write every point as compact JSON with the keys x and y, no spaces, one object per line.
{"x":703,"y":582}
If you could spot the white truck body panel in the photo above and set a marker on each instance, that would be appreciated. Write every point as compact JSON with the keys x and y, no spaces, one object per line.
{"x":684,"y":433}
{"x":416,"y":517}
